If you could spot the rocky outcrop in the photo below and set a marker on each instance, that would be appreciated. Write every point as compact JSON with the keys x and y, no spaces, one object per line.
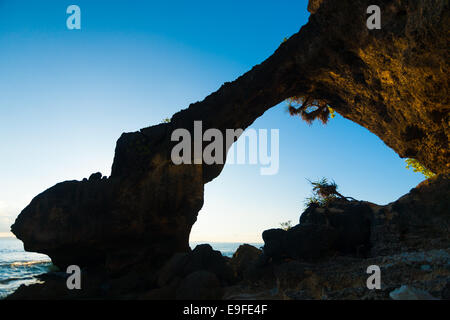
{"x":245,"y":260}
{"x":201,"y":274}
{"x":324,"y":257}
{"x":343,"y":227}
{"x":420,"y":219}
{"x":393,"y":81}
{"x":203,"y":257}
{"x":198,"y":275}
{"x":408,"y":239}
{"x":345,"y":278}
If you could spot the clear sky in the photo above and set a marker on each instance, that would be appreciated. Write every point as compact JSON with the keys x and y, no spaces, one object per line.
{"x":67,"y":95}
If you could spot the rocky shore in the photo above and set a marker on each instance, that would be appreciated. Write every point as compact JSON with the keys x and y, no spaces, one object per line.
{"x":325,"y":256}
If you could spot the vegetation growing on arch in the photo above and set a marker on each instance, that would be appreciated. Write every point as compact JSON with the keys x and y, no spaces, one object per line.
{"x":416,"y":166}
{"x":310,"y":109}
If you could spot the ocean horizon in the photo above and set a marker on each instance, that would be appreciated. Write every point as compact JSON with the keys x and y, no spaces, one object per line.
{"x":18,"y":266}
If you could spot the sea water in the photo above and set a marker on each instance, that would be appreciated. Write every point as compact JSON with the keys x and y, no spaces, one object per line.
{"x":226,"y":248}
{"x":19,"y":267}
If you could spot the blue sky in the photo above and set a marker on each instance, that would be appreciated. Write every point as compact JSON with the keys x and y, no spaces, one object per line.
{"x":67,"y":95}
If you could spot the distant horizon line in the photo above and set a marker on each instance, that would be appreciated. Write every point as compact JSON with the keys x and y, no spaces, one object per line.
{"x":7,"y":235}
{"x":191,"y":241}
{"x":205,"y":241}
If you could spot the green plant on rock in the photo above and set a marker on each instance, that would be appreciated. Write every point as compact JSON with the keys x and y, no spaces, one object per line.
{"x":324,"y":192}
{"x":416,"y":166}
{"x":286,"y":225}
{"x":165,"y":120}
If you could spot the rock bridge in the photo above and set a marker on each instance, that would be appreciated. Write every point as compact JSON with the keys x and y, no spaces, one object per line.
{"x":392,"y":81}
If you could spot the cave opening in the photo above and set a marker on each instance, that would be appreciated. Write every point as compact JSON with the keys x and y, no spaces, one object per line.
{"x":241,"y":203}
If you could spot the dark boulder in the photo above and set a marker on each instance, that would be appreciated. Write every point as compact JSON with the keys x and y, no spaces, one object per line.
{"x":301,"y":242}
{"x":342,"y":227}
{"x":274,"y":243}
{"x":244,"y":259}
{"x":310,"y":241}
{"x":200,"y":285}
{"x":351,"y":221}
{"x":95,"y":176}
{"x":203,"y":257}
{"x":199,"y":274}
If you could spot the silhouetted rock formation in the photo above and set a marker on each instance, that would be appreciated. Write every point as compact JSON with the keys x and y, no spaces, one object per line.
{"x":393,"y":81}
{"x":200,"y":274}
{"x":327,"y":254}
{"x":341,"y":227}
{"x":244,"y":260}
{"x":418,"y":220}
{"x":324,"y":257}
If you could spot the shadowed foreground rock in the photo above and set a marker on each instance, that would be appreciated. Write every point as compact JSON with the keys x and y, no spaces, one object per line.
{"x":418,"y":220}
{"x":342,"y":227}
{"x":408,"y":239}
{"x":393,"y":81}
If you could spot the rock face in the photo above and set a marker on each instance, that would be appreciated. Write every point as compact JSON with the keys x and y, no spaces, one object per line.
{"x":344,"y":278}
{"x":419,"y":219}
{"x":203,"y":257}
{"x":324,"y":257}
{"x":363,"y":229}
{"x":408,"y":239}
{"x":198,"y":275}
{"x":410,"y":293}
{"x":244,"y":260}
{"x":343,"y":227}
{"x":393,"y":81}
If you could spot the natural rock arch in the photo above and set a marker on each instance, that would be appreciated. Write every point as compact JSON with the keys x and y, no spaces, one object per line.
{"x":392,"y":81}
